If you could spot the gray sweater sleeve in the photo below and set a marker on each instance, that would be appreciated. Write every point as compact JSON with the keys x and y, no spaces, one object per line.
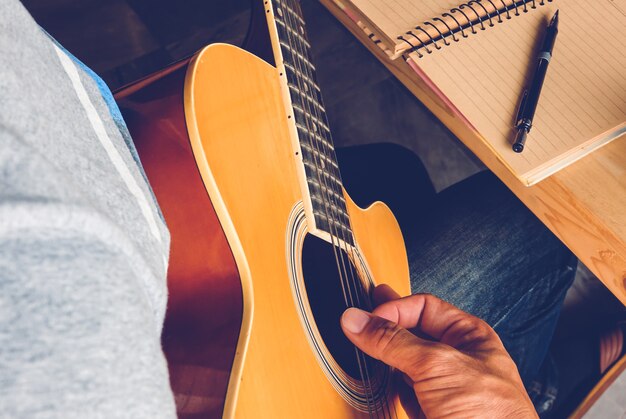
{"x":83,"y":251}
{"x":78,"y":336}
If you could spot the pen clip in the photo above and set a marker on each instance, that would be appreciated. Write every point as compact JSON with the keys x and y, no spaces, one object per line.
{"x":522,"y":105}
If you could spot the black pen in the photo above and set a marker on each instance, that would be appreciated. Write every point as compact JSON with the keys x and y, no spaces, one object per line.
{"x":530,"y":97}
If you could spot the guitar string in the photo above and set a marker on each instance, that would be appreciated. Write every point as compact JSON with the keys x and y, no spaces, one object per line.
{"x":322,"y":181}
{"x":328,"y":150}
{"x":338,"y":257}
{"x":330,"y":220}
{"x":357,"y":284}
{"x":322,"y":151}
{"x":325,"y":191}
{"x":344,"y":246}
{"x":336,"y":209}
{"x":317,"y":169}
{"x":299,"y":81}
{"x":323,"y":184}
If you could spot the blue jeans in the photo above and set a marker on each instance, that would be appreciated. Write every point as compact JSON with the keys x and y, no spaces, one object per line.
{"x":476,"y":246}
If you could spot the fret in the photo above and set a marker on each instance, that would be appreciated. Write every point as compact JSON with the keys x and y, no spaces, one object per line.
{"x":307,"y":89}
{"x":328,"y":191}
{"x":310,"y":98}
{"x":341,"y":212}
{"x":299,"y":74}
{"x":297,"y":55}
{"x":329,"y":179}
{"x":325,"y":194}
{"x":344,"y":223}
{"x":331,"y":187}
{"x":302,"y":85}
{"x":306,"y":148}
{"x":317,"y":123}
{"x":309,"y":116}
{"x":335,"y":212}
{"x":341,"y":232}
{"x":290,"y":10}
{"x":292,"y":31}
{"x":320,"y":156}
{"x":329,"y":210}
{"x":318,"y":164}
{"x":320,"y":139}
{"x":335,"y":215}
{"x":326,"y":182}
{"x":298,"y":98}
{"x":300,"y":56}
{"x":312,"y":89}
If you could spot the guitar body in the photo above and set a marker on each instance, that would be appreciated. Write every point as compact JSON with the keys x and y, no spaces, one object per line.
{"x":247,"y":331}
{"x":236,"y":104}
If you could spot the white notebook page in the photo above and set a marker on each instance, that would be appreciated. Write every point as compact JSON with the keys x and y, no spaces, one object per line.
{"x":584,"y":95}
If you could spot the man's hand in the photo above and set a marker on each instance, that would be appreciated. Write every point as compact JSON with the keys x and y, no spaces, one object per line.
{"x":454,"y":361}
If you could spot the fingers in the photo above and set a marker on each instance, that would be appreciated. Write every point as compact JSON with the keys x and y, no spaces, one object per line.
{"x":386,"y":341}
{"x":438,"y":319}
{"x":384,"y":293}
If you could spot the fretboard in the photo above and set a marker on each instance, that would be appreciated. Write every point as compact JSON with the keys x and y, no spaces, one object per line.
{"x":318,"y":153}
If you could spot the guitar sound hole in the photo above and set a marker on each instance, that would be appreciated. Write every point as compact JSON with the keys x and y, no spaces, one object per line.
{"x":326,"y":298}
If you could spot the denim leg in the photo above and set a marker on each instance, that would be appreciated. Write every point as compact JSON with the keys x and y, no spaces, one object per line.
{"x":474,"y":245}
{"x":485,"y":252}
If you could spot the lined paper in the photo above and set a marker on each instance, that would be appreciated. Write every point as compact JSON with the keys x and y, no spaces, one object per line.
{"x":584,"y":95}
{"x":583,"y":102}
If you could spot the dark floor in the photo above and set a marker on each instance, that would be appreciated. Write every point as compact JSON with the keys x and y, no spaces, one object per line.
{"x":123,"y":40}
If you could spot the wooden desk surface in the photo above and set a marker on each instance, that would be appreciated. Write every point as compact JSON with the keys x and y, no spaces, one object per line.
{"x":583,"y":204}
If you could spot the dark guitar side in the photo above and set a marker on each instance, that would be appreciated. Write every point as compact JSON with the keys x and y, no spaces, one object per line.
{"x":205,"y":298}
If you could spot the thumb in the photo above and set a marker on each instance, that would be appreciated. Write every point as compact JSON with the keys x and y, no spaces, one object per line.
{"x":387,"y":342}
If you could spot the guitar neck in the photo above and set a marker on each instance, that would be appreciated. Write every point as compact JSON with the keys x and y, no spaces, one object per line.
{"x":292,"y":53}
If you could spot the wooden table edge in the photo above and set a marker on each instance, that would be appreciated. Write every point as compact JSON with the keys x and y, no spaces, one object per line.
{"x":576,"y":225}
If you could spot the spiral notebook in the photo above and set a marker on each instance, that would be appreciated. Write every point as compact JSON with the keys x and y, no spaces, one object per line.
{"x":479,"y":57}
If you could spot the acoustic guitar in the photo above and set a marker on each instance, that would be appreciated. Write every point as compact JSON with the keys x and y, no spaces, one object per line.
{"x":267,"y":248}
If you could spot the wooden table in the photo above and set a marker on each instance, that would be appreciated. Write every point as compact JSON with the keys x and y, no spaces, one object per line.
{"x":583,"y":204}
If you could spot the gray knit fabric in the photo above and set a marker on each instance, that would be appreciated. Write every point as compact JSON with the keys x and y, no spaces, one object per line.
{"x":83,"y":252}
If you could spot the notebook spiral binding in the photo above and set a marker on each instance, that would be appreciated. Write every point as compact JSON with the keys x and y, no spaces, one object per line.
{"x":465,"y":18}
